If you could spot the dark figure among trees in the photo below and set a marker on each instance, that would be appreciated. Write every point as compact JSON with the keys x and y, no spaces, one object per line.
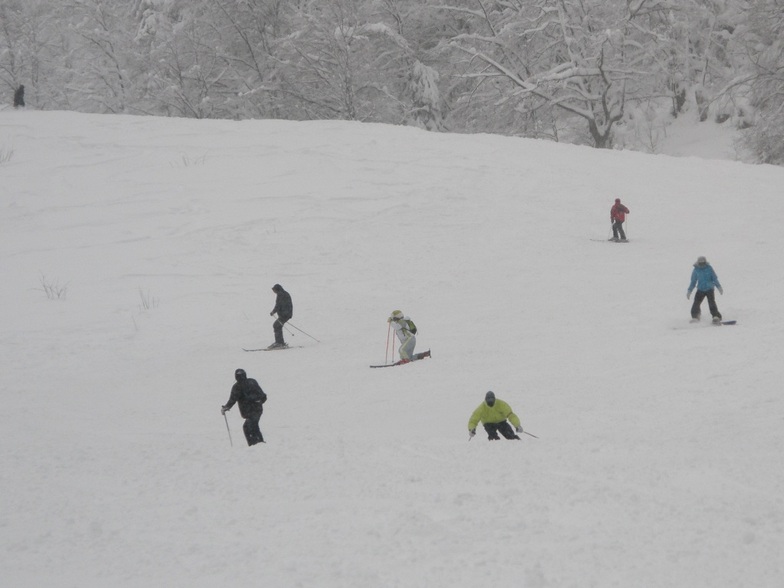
{"x":19,"y":97}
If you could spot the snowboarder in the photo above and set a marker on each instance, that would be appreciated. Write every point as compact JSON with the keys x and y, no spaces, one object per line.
{"x":19,"y":97}
{"x":618,"y":214}
{"x":406,"y":330}
{"x":249,"y":396}
{"x":705,"y":279}
{"x":285,"y":310}
{"x":493,"y":414}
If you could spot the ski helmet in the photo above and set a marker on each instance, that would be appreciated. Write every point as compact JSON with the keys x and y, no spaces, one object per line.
{"x":277,"y":288}
{"x":240,"y":375}
{"x":701,"y":260}
{"x":396,"y":315}
{"x":490,"y":398}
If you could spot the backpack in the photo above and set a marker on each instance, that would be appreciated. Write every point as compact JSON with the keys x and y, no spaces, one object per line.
{"x":411,"y":327}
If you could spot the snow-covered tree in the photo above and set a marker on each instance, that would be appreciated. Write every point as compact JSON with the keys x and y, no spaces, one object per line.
{"x":33,"y":51}
{"x":13,"y":49}
{"x":343,"y":61}
{"x":249,"y":33}
{"x":584,"y":71}
{"x":585,"y":59}
{"x":765,"y":45}
{"x":101,"y":76}
{"x":426,"y":99}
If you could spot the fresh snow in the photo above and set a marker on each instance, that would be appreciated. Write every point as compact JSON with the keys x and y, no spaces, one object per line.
{"x":684,"y":137}
{"x":658,"y":462}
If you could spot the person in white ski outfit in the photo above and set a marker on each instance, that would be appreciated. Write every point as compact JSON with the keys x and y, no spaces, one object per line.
{"x":400,"y":323}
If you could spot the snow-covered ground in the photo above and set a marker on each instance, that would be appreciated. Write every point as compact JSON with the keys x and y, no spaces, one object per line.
{"x":686,"y":137}
{"x":660,"y":443}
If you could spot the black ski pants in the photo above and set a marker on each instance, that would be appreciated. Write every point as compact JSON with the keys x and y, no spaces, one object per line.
{"x":699,"y":296}
{"x":251,"y":429}
{"x":617,"y":228}
{"x":503,"y":427}
{"x":277,"y":327}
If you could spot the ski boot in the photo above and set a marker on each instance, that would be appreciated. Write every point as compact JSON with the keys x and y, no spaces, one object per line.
{"x":422,"y":355}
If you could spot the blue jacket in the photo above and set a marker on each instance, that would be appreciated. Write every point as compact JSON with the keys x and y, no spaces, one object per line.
{"x":704,"y":278}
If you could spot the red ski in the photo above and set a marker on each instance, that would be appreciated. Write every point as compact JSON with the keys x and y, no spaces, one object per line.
{"x":401,"y":362}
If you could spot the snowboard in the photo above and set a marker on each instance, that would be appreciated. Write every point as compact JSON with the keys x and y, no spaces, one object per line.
{"x":695,"y":324}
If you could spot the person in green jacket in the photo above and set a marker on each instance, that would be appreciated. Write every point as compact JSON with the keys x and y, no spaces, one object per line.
{"x":493,"y":414}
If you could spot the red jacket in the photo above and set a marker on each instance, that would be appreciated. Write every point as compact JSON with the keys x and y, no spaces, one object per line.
{"x":618,"y":212}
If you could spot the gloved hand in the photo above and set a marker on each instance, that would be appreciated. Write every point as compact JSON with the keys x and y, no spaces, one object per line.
{"x":688,"y":294}
{"x":721,"y":290}
{"x":272,"y":313}
{"x":519,"y":429}
{"x":223,"y":409}
{"x":471,"y":433}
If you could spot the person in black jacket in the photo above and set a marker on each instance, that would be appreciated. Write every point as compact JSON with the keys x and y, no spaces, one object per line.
{"x":19,"y":97}
{"x":249,"y":396}
{"x":285,"y":310}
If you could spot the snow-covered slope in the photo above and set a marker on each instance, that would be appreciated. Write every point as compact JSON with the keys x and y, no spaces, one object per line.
{"x":687,"y":137}
{"x":660,"y":443}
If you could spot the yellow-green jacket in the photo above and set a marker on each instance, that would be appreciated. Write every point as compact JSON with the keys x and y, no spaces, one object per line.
{"x":499,"y":412}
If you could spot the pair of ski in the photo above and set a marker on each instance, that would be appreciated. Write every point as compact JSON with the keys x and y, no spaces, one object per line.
{"x":275,"y":348}
{"x":401,"y":363}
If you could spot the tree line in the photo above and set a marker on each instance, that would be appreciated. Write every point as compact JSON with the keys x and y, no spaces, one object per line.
{"x":606,"y":73}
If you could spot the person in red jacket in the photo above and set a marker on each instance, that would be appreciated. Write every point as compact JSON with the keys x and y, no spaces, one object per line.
{"x":617,"y":217}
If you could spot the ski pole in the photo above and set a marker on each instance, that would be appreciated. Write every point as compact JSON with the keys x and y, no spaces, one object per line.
{"x":386,"y":347}
{"x":227,"y":428}
{"x":392,"y":347}
{"x":527,"y":433}
{"x":303,"y":332}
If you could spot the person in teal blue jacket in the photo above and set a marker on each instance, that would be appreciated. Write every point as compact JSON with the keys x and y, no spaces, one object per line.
{"x":705,"y":280}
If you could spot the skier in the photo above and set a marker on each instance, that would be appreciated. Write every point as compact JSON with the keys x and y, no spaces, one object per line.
{"x":249,"y":396}
{"x":493,"y":414}
{"x":405,"y":329}
{"x":618,"y":214}
{"x":285,"y":310}
{"x":705,"y":279}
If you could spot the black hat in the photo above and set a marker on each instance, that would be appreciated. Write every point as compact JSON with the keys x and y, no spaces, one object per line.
{"x":239,"y":374}
{"x":490,"y":398}
{"x":277,"y":288}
